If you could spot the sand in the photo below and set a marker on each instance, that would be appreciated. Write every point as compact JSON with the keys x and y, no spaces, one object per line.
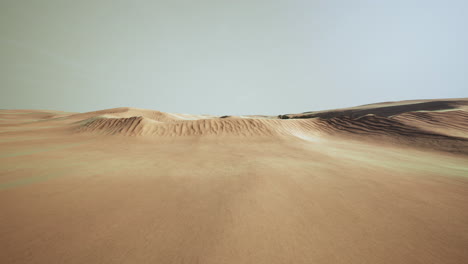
{"x":381,"y":183}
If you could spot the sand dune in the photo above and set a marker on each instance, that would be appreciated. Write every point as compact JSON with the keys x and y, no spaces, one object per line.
{"x":379,"y":183}
{"x":445,"y":131}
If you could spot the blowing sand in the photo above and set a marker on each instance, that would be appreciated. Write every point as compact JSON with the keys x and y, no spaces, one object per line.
{"x":383,"y":183}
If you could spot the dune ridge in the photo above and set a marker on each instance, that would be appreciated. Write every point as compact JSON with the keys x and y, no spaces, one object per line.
{"x":142,"y":126}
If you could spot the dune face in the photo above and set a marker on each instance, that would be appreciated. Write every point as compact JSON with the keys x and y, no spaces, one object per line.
{"x":380,"y":183}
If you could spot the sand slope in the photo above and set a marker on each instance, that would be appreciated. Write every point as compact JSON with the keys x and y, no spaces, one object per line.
{"x":380,"y":183}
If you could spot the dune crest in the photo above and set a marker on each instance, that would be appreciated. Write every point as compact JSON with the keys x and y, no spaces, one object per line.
{"x":143,"y":126}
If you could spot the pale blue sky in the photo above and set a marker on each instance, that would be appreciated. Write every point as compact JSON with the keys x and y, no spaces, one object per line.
{"x":230,"y":57}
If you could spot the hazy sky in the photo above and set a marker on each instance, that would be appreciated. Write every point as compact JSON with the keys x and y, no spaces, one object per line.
{"x":230,"y":57}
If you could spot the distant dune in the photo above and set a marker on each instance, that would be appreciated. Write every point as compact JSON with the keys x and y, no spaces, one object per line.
{"x":378,"y":183}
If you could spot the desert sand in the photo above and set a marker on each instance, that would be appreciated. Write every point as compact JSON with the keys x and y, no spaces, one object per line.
{"x":379,"y":183}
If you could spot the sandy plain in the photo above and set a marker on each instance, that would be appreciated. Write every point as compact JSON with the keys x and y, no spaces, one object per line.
{"x":380,"y":183}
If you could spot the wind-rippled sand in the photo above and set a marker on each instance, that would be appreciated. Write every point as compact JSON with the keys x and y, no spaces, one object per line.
{"x":381,"y":183}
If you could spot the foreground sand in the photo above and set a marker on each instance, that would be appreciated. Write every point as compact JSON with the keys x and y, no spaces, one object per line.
{"x":383,"y":183}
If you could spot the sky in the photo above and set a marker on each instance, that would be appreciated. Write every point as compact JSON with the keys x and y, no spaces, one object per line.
{"x":230,"y":57}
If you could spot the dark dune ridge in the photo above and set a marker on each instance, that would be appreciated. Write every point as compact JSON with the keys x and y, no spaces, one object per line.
{"x":384,"y":111}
